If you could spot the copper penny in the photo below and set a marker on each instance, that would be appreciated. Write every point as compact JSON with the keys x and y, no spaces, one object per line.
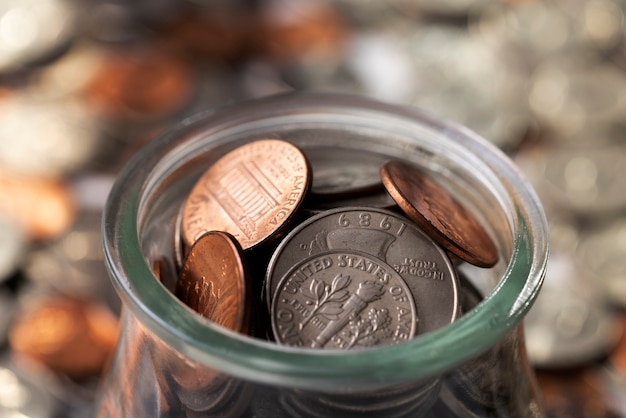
{"x":440,"y":215}
{"x":305,"y":29}
{"x":213,"y":281}
{"x":251,"y":192}
{"x":43,"y":207}
{"x":140,"y":84}
{"x":68,"y":335}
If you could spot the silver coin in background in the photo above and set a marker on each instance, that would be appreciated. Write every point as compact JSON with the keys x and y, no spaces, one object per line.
{"x":13,"y":246}
{"x":598,"y":24}
{"x":342,"y":299}
{"x":570,"y":324}
{"x":528,"y":31}
{"x":71,"y":136}
{"x":576,"y":92}
{"x":31,"y":30}
{"x":74,"y":263}
{"x":379,"y":60}
{"x":423,"y":265}
{"x":452,"y":83}
{"x":69,"y":74}
{"x":23,"y":393}
{"x":602,"y":251}
{"x":585,"y":180}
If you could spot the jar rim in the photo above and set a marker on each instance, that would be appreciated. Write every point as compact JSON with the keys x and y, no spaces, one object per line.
{"x":266,"y":362}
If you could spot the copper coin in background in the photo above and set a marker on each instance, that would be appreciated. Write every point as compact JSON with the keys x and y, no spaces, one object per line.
{"x":140,"y":84}
{"x":67,"y":335}
{"x":43,"y":207}
{"x":251,"y":192}
{"x":303,"y":30}
{"x":213,"y":281}
{"x":440,"y":215}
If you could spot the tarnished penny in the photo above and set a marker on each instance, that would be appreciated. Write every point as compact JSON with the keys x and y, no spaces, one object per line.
{"x":440,"y":215}
{"x":251,"y":193}
{"x":213,"y":281}
{"x":342,"y":299}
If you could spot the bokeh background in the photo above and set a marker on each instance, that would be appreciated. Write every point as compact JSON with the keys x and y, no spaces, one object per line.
{"x":84,"y":84}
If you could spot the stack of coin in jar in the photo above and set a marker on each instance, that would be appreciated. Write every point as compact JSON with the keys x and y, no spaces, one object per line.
{"x":268,"y":247}
{"x":344,"y":277}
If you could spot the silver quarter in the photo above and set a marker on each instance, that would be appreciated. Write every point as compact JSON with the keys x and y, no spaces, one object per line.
{"x":342,"y":299}
{"x":423,"y":265}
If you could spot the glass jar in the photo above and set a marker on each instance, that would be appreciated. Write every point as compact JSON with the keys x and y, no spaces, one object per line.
{"x":170,"y":361}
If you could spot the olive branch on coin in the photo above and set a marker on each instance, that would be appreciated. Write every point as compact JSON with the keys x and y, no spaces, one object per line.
{"x":367,"y":292}
{"x":368,"y":331}
{"x":326,"y":300}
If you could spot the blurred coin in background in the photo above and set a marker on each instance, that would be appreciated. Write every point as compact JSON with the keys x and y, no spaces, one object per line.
{"x":33,"y":30}
{"x":570,"y":324}
{"x":23,"y":393}
{"x":42,"y":207}
{"x":46,"y":137}
{"x":603,"y":253}
{"x":71,"y":336}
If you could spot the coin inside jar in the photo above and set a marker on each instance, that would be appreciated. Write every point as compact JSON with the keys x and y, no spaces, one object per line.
{"x":441,"y":216}
{"x":251,"y":192}
{"x":347,"y":300}
{"x":213,"y":281}
{"x":389,"y":237}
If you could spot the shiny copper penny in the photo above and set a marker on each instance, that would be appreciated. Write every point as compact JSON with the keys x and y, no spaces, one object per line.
{"x":251,"y":192}
{"x":213,"y":281}
{"x":440,"y":215}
